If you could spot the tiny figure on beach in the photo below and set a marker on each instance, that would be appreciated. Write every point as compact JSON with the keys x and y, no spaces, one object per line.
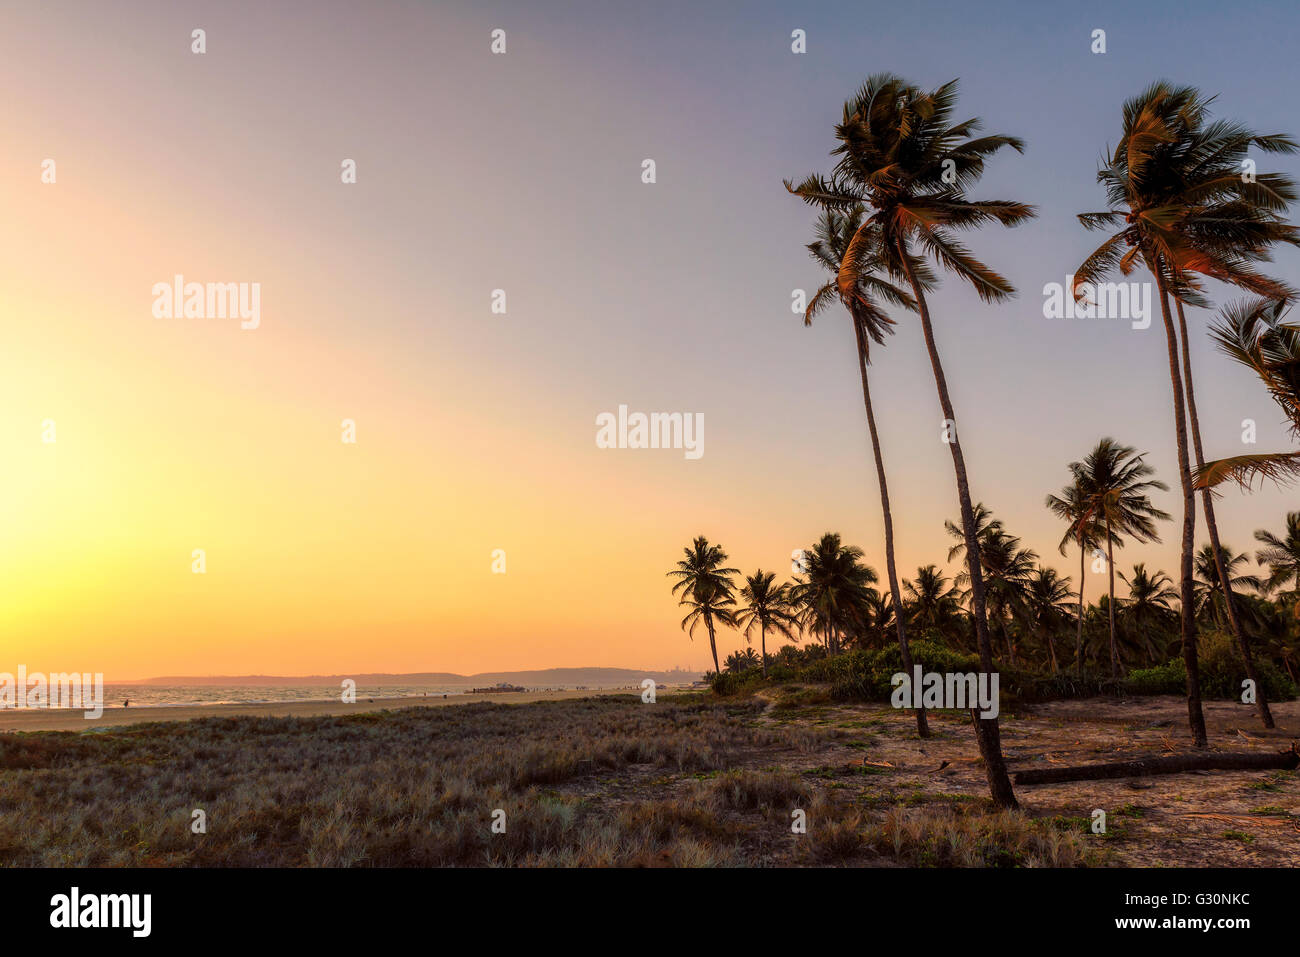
{"x":126,"y":703}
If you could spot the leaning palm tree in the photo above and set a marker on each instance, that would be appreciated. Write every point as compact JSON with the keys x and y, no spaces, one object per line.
{"x":905,"y":159}
{"x":766,"y":606}
{"x":1115,"y":481}
{"x":1220,"y":223}
{"x":902,"y":156}
{"x":706,"y":589}
{"x":1083,"y":529}
{"x":858,"y":290}
{"x":1282,"y":555}
{"x":1174,"y":189}
{"x":1256,"y":334}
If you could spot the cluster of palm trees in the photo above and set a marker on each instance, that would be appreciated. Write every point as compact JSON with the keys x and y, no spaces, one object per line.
{"x":1184,"y":202}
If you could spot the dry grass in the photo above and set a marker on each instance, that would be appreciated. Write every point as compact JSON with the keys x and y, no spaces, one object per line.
{"x":610,"y":781}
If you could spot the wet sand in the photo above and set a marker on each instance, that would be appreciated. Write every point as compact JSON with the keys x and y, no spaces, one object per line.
{"x":67,"y":720}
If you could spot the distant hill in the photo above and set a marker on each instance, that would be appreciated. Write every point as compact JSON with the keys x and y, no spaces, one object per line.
{"x":547,"y":678}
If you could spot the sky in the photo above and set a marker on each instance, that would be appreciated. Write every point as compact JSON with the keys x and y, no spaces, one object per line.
{"x":475,"y":430}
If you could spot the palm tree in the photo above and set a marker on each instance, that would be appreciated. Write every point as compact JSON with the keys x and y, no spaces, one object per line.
{"x":742,"y":660}
{"x":1046,"y":605}
{"x":933,"y":605}
{"x":1221,"y":222}
{"x":706,"y":589}
{"x":1174,"y":188}
{"x":832,"y":593}
{"x":1282,"y":555}
{"x":1006,"y":566}
{"x":1115,"y":481}
{"x":1074,"y":506}
{"x":767,"y":606}
{"x":906,"y":161}
{"x":857,"y":290}
{"x":1255,"y":333}
{"x":1149,"y":610}
{"x":1209,"y":585}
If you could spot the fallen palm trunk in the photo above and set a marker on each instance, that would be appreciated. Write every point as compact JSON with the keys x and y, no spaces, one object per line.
{"x":1178,"y":764}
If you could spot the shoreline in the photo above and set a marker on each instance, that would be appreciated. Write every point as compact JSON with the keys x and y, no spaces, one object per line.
{"x":72,"y":719}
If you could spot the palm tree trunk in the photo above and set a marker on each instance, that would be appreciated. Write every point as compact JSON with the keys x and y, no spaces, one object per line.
{"x":1006,"y":637}
{"x":1078,"y":643}
{"x":922,"y":725}
{"x":987,"y":732}
{"x":762,"y":638}
{"x":713,"y":645}
{"x":1187,"y":620}
{"x":1110,"y":603}
{"x":1051,"y":648}
{"x":1207,"y":506}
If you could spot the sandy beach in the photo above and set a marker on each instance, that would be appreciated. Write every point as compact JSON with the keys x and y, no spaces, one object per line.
{"x":70,"y":720}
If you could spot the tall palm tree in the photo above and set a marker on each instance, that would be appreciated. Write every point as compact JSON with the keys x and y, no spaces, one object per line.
{"x":706,"y":589}
{"x":1211,"y":596}
{"x":1083,"y":529}
{"x":1221,"y":223}
{"x":1149,"y":609}
{"x":767,"y":606}
{"x":902,"y":156}
{"x":1175,"y":188}
{"x":1046,"y":605}
{"x":1256,"y":334}
{"x":858,"y":289}
{"x":1282,"y":555}
{"x":1115,"y":481}
{"x":832,"y":592}
{"x":1148,"y":120}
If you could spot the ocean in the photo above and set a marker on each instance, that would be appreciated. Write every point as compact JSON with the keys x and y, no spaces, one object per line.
{"x":164,"y":696}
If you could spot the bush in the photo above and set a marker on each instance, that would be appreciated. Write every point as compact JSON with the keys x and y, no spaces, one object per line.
{"x":1221,"y":674}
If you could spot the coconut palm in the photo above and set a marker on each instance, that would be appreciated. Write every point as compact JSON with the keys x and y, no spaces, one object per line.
{"x":1282,"y":555}
{"x":1221,"y":223}
{"x":858,"y":290}
{"x":742,"y":660}
{"x":1210,"y":596}
{"x":902,"y":156}
{"x":1083,"y":529}
{"x":1149,"y":608}
{"x":1007,"y":569}
{"x":766,"y":606}
{"x":1115,"y":481}
{"x":1256,"y":334}
{"x":706,"y":589}
{"x":1046,"y":606}
{"x":1181,"y":205}
{"x":832,"y":592}
{"x":933,"y":604}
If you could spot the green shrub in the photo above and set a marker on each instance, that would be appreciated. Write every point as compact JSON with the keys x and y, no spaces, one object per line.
{"x":1221,"y":674}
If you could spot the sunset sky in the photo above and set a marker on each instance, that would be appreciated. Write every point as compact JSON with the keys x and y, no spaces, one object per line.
{"x":477,"y":431}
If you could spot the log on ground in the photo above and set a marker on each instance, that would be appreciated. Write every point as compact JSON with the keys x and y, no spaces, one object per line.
{"x":1176,"y":764}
